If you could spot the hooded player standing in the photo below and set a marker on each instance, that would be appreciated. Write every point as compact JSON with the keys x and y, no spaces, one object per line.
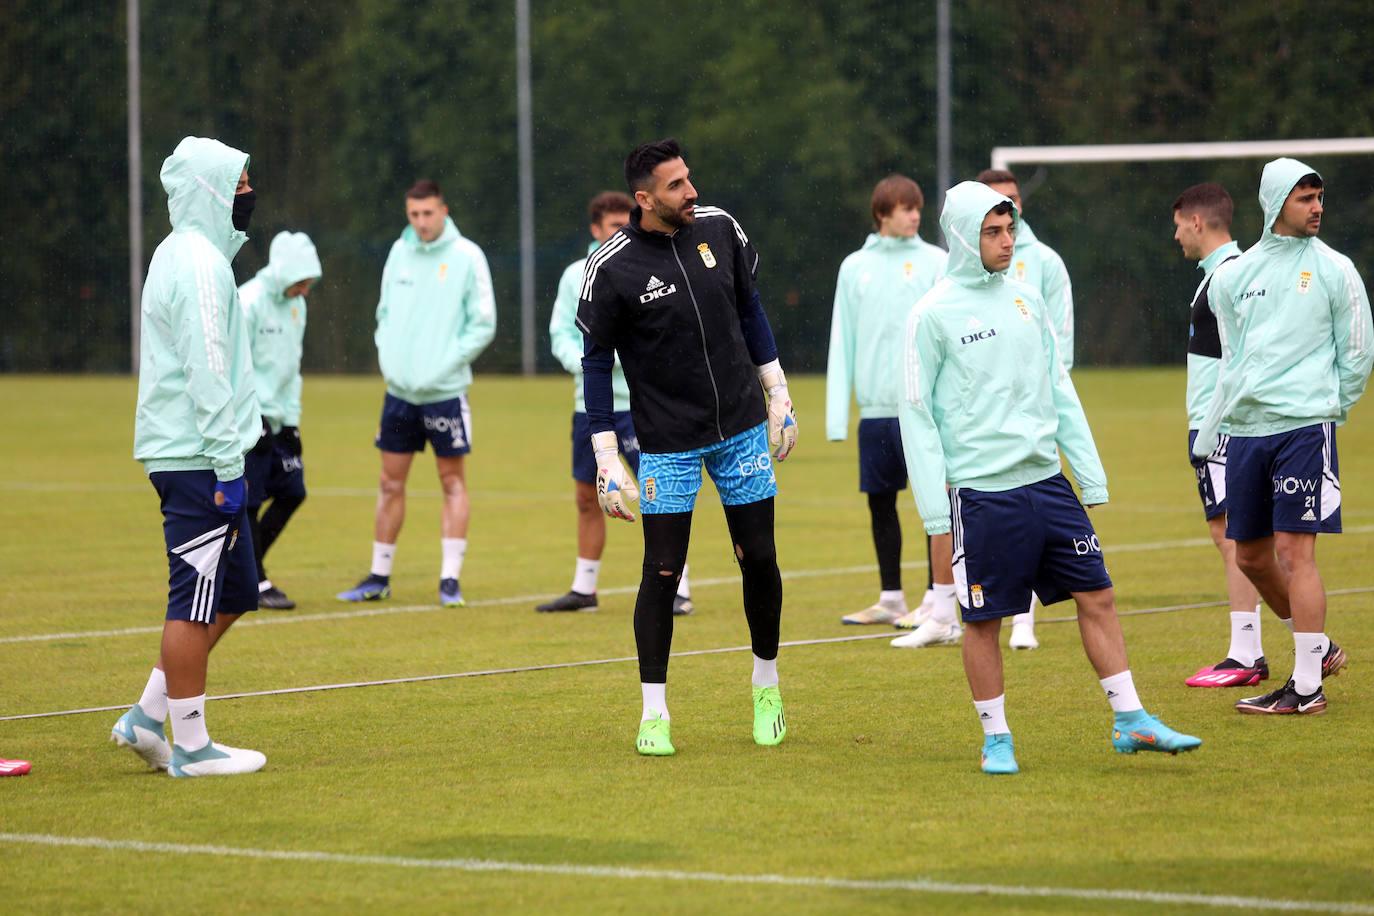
{"x":197,"y":417}
{"x":988,"y":405}
{"x":274,"y":308}
{"x":1295,"y":328}
{"x":672,"y":293}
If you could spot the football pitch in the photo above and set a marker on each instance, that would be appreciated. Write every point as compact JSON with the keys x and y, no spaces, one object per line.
{"x":481,"y":759}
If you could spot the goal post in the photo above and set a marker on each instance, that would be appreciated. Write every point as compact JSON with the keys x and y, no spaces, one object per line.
{"x":1005,"y":156}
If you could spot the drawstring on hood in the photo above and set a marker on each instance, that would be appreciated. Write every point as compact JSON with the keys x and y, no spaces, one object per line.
{"x":200,"y":178}
{"x":966,"y":206}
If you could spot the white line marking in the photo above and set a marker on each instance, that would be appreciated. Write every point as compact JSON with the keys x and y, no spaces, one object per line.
{"x":260,"y":619}
{"x":620,"y":872}
{"x":589,"y":663}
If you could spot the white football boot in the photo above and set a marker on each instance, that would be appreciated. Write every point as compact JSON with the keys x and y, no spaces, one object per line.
{"x":1023,"y":630}
{"x":931,"y":633}
{"x":882,"y":612}
{"x":215,"y":760}
{"x":143,"y":735}
{"x":919,"y":615}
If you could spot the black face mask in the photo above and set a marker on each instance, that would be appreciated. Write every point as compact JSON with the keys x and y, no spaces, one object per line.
{"x":243,"y":209}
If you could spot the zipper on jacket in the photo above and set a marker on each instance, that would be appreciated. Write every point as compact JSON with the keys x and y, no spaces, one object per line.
{"x":672,"y":243}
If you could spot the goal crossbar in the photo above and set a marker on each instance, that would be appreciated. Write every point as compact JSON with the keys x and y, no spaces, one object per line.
{"x":1004,"y":156}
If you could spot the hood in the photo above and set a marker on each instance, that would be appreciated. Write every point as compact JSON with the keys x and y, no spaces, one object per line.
{"x":1279,"y":178}
{"x":889,"y":242}
{"x":966,"y":204}
{"x":291,"y":259}
{"x":200,"y":178}
{"x":1024,"y":236}
{"x":450,"y":234}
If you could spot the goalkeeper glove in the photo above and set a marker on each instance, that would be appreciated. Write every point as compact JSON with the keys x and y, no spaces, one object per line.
{"x":615,"y":485}
{"x":782,"y":419}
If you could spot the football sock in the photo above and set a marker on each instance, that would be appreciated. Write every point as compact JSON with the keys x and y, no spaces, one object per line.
{"x":1121,"y":693}
{"x":1028,"y":617}
{"x":887,"y":538}
{"x":655,"y":701}
{"x":382,"y":557}
{"x":751,"y":530}
{"x":1245,"y":637}
{"x":154,"y":699}
{"x":683,"y":589}
{"x":453,"y":550}
{"x":1308,"y":651}
{"x":1288,"y":622}
{"x":992,"y":715}
{"x":765,"y":672}
{"x":264,"y":585}
{"x":891,"y":597}
{"x":946,"y":608}
{"x":584,"y":576}
{"x":188,"y":723}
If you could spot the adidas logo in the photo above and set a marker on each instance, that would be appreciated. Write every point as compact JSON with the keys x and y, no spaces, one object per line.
{"x":1111,"y":694}
{"x":654,"y":283}
{"x":986,"y":715}
{"x":193,"y":714}
{"x":1308,"y":516}
{"x":1248,"y":628}
{"x":1318,"y":650}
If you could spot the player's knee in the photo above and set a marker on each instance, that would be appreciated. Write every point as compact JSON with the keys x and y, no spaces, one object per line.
{"x":586,"y":502}
{"x":1293,"y":553}
{"x":391,"y":487}
{"x":661,"y":574}
{"x":1252,"y":561}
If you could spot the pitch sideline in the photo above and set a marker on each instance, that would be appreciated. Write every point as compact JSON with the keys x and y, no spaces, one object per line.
{"x":616,"y":872}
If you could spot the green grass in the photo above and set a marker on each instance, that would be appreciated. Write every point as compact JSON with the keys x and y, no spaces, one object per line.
{"x":878,"y":779}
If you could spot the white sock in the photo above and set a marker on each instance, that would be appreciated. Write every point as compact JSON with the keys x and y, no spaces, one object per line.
{"x":894,"y":596}
{"x":765,"y":672}
{"x":1121,"y":693}
{"x":264,"y":585}
{"x":584,"y":578}
{"x":382,"y":557}
{"x":683,"y":589}
{"x":992,"y":714}
{"x":1308,"y":651}
{"x":1028,"y":618}
{"x":928,"y":597}
{"x":453,"y":549}
{"x":1288,"y":622}
{"x":154,"y":699}
{"x":655,"y":701}
{"x":946,"y":608}
{"x":1245,"y":637}
{"x":188,"y":723}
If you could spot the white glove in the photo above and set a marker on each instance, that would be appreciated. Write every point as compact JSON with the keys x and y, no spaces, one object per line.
{"x":615,"y":485}
{"x":782,"y":419}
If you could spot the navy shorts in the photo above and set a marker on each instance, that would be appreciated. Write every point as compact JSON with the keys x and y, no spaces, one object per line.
{"x":1211,"y":477}
{"x":740,"y":467}
{"x":272,"y":471}
{"x":1035,"y":537}
{"x":1285,"y":482}
{"x":210,"y":564}
{"x":882,"y":464}
{"x":446,"y":425}
{"x":584,"y":460}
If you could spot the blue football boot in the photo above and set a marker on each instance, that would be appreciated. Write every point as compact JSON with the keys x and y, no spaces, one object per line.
{"x":1140,"y":731}
{"x":999,"y":758}
{"x":373,"y":588}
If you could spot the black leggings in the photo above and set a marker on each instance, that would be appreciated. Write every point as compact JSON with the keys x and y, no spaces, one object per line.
{"x":887,"y":538}
{"x":665,"y":553}
{"x":269,"y":526}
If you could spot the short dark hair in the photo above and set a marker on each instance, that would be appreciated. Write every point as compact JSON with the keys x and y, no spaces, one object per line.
{"x":1310,"y":180}
{"x":424,"y":188}
{"x":1002,"y":209}
{"x":1210,"y":201}
{"x":643,"y":159}
{"x":997,"y":176}
{"x":892,"y":192}
{"x":608,"y":202}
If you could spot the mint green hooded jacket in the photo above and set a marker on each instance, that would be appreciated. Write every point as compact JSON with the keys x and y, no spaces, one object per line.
{"x":1202,"y":370}
{"x":276,"y":326}
{"x":1040,"y":267}
{"x":1295,"y":328}
{"x":435,"y":316}
{"x":565,"y":338}
{"x":988,"y":403}
{"x":875,"y":291}
{"x":197,"y":408}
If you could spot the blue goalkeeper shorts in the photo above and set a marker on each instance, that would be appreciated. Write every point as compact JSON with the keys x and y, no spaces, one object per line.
{"x":740,"y":467}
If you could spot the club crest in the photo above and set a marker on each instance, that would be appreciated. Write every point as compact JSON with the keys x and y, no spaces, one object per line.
{"x":707,"y":257}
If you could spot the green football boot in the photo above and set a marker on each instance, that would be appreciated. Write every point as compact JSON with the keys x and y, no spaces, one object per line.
{"x":654,"y":740}
{"x":770,"y":726}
